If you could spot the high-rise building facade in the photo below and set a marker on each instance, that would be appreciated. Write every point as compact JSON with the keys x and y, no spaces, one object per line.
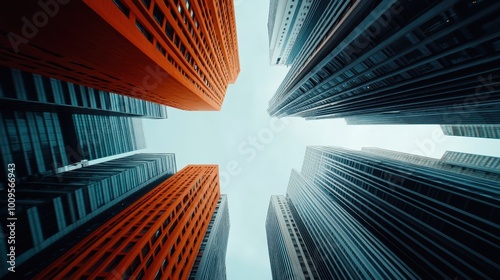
{"x":486,"y":167}
{"x":46,"y":124}
{"x":370,"y":216}
{"x":398,"y":62}
{"x":210,"y":261}
{"x":156,"y":237}
{"x":290,"y":258}
{"x":285,"y":22}
{"x":489,"y":165}
{"x":50,"y":208}
{"x":41,"y":142}
{"x":479,"y":130}
{"x":24,"y":91}
{"x":177,"y":53}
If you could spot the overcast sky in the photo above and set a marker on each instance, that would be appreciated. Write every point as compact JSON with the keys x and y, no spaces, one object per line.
{"x":256,"y":153}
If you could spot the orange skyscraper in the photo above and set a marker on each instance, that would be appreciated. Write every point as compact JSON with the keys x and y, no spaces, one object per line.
{"x":180,"y":53}
{"x":157,"y":237}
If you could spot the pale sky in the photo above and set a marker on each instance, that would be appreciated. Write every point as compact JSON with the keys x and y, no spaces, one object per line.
{"x":256,"y":153}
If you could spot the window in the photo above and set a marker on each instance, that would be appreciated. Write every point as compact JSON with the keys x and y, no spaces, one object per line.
{"x":149,"y":262}
{"x":122,"y":7}
{"x":158,"y":15}
{"x":169,"y":31}
{"x":160,"y":48}
{"x":144,"y":31}
{"x":145,"y":250}
{"x":146,"y":3}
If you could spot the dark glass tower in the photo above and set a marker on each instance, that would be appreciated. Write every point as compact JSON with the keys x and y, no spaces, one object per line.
{"x":39,"y":143}
{"x":370,"y":216}
{"x":486,"y":167}
{"x":210,"y":261}
{"x":52,"y":207}
{"x":46,"y":124}
{"x":397,"y":62}
{"x":23,"y":91}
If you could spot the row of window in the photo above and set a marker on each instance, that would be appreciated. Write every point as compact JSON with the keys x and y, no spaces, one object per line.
{"x":161,"y":19}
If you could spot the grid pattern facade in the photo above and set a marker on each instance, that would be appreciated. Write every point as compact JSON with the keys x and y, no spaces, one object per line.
{"x":157,"y":237}
{"x":290,"y":258}
{"x":485,"y":167}
{"x":40,"y":142}
{"x":286,"y":18}
{"x":210,"y":261}
{"x":33,"y":141}
{"x":20,"y":90}
{"x":490,"y":165}
{"x":482,"y":131}
{"x":52,"y":207}
{"x":372,"y":217}
{"x":400,"y":62}
{"x":96,"y":136}
{"x":179,"y":53}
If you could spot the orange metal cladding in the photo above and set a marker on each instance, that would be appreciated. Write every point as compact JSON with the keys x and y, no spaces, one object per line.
{"x":157,"y":237}
{"x":180,"y":53}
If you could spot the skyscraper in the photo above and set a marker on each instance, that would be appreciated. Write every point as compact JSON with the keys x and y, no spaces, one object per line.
{"x":486,"y":167}
{"x":290,"y":258}
{"x":46,"y":124}
{"x":369,"y":216}
{"x":53,"y":207}
{"x":24,"y":91}
{"x":157,"y":237}
{"x":210,"y":261}
{"x":177,"y":53}
{"x":397,"y":62}
{"x":41,"y":142}
{"x":285,"y":23}
{"x":482,"y":131}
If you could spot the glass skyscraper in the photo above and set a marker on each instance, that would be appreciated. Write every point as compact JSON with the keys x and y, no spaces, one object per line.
{"x":290,"y":257}
{"x":46,"y":124}
{"x":364,"y":215}
{"x":397,"y":62}
{"x":479,"y":130}
{"x":24,"y":91}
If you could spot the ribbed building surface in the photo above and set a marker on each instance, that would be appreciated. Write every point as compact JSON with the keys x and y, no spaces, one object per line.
{"x":289,"y":256}
{"x":487,"y":164}
{"x":24,"y":91}
{"x":53,"y":207}
{"x":372,"y":217}
{"x":47,"y":124}
{"x":210,"y":262}
{"x":486,"y":167}
{"x":480,"y":130}
{"x":285,"y":22}
{"x":397,"y":62}
{"x":156,"y":237}
{"x":176,"y":53}
{"x":39,"y":143}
